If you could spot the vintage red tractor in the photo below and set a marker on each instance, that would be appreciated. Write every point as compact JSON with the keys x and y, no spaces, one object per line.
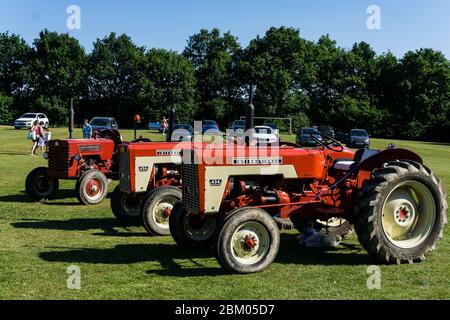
{"x":150,"y":184}
{"x":92,"y":163}
{"x":397,"y":204}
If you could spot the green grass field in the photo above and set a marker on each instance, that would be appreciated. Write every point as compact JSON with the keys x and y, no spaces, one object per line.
{"x":40,"y":240}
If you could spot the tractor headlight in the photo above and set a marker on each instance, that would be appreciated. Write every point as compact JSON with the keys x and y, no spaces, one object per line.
{"x":77,"y":157}
{"x":45,"y":155}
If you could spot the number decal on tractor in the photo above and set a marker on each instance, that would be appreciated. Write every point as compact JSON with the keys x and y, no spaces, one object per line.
{"x":215,"y":182}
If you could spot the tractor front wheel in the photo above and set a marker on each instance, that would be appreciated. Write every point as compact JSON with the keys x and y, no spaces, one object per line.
{"x":156,"y":210}
{"x":402,"y":213}
{"x":248,"y":242}
{"x":126,"y":207}
{"x":40,"y":186}
{"x":92,"y":187}
{"x":191,"y":230}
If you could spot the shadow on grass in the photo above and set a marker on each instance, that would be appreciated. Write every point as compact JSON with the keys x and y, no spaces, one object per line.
{"x":24,"y":198}
{"x":168,"y":255}
{"x":69,"y":225}
{"x":164,"y":254}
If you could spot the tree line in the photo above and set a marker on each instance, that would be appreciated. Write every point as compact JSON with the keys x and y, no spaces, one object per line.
{"x":313,"y":82}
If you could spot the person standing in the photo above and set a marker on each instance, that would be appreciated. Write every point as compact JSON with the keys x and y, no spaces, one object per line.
{"x":87,"y":130}
{"x":33,"y":135}
{"x":164,"y":125}
{"x":43,"y":139}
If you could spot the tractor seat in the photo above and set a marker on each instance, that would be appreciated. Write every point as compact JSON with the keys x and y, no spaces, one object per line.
{"x":348,"y":164}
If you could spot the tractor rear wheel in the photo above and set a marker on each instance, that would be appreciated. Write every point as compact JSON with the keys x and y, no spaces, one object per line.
{"x":40,"y":186}
{"x":248,"y":242}
{"x":191,"y":230}
{"x":156,"y":210}
{"x":401,"y":213}
{"x":92,"y":187}
{"x":126,"y":207}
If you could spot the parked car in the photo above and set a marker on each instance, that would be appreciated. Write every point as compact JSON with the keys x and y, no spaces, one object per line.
{"x":274,"y":127}
{"x":156,"y":126}
{"x":263,"y":135}
{"x":358,"y":138}
{"x":305,"y":137}
{"x":26,"y":121}
{"x":182,"y":132}
{"x":210,"y":127}
{"x":327,"y":131}
{"x":238,"y":125}
{"x":104,"y":123}
{"x":341,"y":135}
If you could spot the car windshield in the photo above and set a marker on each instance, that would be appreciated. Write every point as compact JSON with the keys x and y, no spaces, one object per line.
{"x":263,"y":130}
{"x":209,"y":123}
{"x":100,"y":122}
{"x":310,"y":131}
{"x":182,"y":126}
{"x":239,"y":123}
{"x":29,"y":115}
{"x":359,"y":133}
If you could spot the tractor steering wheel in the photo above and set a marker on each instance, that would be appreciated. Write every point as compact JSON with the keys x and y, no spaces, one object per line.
{"x":340,"y":147}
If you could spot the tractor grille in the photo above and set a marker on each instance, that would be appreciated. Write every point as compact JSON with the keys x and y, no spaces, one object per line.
{"x":124,"y":172}
{"x":190,"y":187}
{"x":58,"y":156}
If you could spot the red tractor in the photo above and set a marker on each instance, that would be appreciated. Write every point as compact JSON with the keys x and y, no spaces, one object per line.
{"x":150,"y":184}
{"x":92,"y":163}
{"x":396,"y":204}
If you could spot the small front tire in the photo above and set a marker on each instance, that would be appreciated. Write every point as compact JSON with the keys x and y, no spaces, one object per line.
{"x":156,"y":210}
{"x":126,"y":207}
{"x":92,"y":187}
{"x":248,"y":242}
{"x":191,"y":230}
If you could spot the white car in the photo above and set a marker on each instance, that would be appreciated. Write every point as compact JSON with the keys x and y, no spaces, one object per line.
{"x":264,"y":135}
{"x":26,"y":121}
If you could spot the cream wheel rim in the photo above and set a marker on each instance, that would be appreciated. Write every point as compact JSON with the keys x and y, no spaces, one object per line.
{"x":409,"y":214}
{"x":161,"y":211}
{"x":250,"y":243}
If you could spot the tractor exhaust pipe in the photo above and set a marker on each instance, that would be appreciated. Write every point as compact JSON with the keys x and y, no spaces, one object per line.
{"x":250,"y":112}
{"x":172,"y":113}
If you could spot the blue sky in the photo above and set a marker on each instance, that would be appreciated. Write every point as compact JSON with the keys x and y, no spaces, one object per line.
{"x":406,"y":24}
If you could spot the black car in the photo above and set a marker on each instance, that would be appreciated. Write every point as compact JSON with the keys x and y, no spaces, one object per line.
{"x":305,"y":137}
{"x":104,"y":123}
{"x":358,"y":138}
{"x":341,"y":136}
{"x":326,"y":130}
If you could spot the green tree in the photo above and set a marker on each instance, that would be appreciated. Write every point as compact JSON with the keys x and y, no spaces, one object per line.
{"x":214,"y":57}
{"x":115,"y":76}
{"x":58,"y":67}
{"x":281,"y":65}
{"x":424,"y":88}
{"x":169,"y":81}
{"x":14,"y":80}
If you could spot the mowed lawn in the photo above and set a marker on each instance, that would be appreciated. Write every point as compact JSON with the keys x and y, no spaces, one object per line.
{"x":38,"y":241}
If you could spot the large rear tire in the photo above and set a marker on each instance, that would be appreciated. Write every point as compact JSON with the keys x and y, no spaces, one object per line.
{"x":92,"y":187}
{"x":126,"y":207}
{"x":39,"y":186}
{"x":248,"y":242}
{"x":156,"y":210}
{"x":401,"y":213}
{"x":191,"y":230}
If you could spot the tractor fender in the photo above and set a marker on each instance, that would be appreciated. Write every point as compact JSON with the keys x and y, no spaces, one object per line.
{"x":366,"y":167}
